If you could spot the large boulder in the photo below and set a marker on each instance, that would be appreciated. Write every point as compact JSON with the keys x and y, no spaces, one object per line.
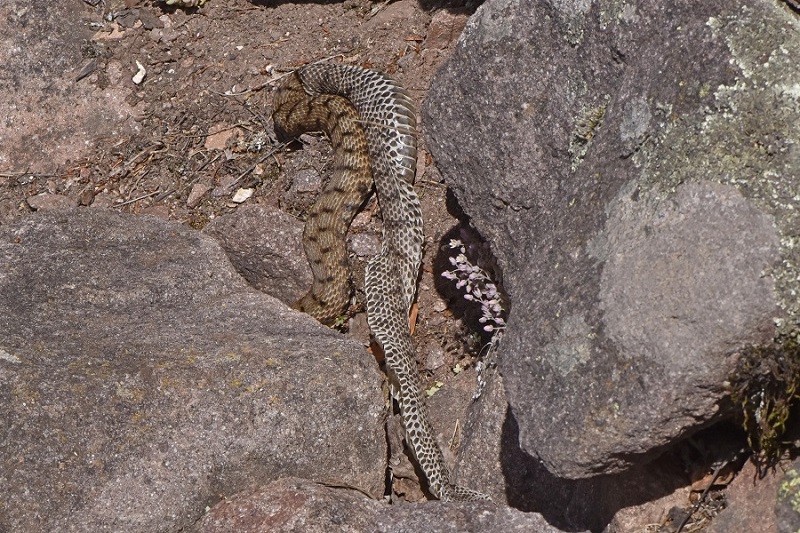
{"x":298,"y":505}
{"x":491,"y":459}
{"x":142,"y":380}
{"x":634,"y":167}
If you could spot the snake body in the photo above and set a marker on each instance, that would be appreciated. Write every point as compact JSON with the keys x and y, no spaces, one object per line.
{"x":371,"y":122}
{"x":295,"y":112}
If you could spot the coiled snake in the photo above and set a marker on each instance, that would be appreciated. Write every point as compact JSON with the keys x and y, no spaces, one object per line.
{"x":371,"y":122}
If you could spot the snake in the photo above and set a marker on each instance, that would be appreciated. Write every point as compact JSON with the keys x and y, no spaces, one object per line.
{"x":370,"y":120}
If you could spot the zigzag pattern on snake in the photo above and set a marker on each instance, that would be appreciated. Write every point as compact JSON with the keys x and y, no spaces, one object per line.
{"x":360,"y":108}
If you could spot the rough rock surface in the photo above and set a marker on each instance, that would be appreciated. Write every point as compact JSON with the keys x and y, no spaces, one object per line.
{"x":633,"y":167}
{"x":298,"y":505}
{"x":491,"y":458}
{"x":142,"y":380}
{"x":751,"y":501}
{"x":787,"y":508}
{"x":265,"y":246}
{"x":43,"y":57}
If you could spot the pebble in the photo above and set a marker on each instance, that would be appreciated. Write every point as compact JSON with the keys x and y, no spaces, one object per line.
{"x":224,"y":186}
{"x":46,"y":200}
{"x":435,"y":358}
{"x":365,"y":244}
{"x":445,"y":27}
{"x":307,"y":180}
{"x":242,"y":195}
{"x":140,"y":74}
{"x":196,"y":194}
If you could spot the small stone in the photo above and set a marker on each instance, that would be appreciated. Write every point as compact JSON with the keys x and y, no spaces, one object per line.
{"x":435,"y":358}
{"x":307,"y":181}
{"x":361,"y":220}
{"x":149,"y":20}
{"x":242,"y":195}
{"x":128,"y":20}
{"x":86,"y":197}
{"x":140,"y":74}
{"x":445,"y":27}
{"x":218,"y":136}
{"x":46,"y":200}
{"x":224,"y":186}
{"x":196,"y":194}
{"x":359,"y":329}
{"x":161,"y":211}
{"x":271,"y":259}
{"x":103,"y":199}
{"x":365,"y":244}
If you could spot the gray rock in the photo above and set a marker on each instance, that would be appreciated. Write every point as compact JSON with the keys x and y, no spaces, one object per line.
{"x":750,"y":499}
{"x":142,"y":380}
{"x":491,"y":458}
{"x":787,"y":507}
{"x":46,"y":200}
{"x":298,"y":505}
{"x":306,"y":181}
{"x":634,"y":168}
{"x":265,"y":246}
{"x":364,"y":244}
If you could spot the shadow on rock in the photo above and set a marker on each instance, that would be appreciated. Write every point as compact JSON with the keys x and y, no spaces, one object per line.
{"x":575,"y":505}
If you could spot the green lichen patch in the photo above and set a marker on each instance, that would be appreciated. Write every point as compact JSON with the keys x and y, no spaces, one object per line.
{"x":748,"y":136}
{"x":789,"y":489}
{"x":589,"y":120}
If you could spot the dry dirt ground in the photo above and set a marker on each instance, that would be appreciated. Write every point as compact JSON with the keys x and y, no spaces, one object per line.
{"x":193,"y":139}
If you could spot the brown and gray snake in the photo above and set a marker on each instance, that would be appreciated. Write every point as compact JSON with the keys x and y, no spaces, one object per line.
{"x":371,"y":123}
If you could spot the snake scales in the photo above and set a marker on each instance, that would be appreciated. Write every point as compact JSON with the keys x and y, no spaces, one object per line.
{"x":371,"y":122}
